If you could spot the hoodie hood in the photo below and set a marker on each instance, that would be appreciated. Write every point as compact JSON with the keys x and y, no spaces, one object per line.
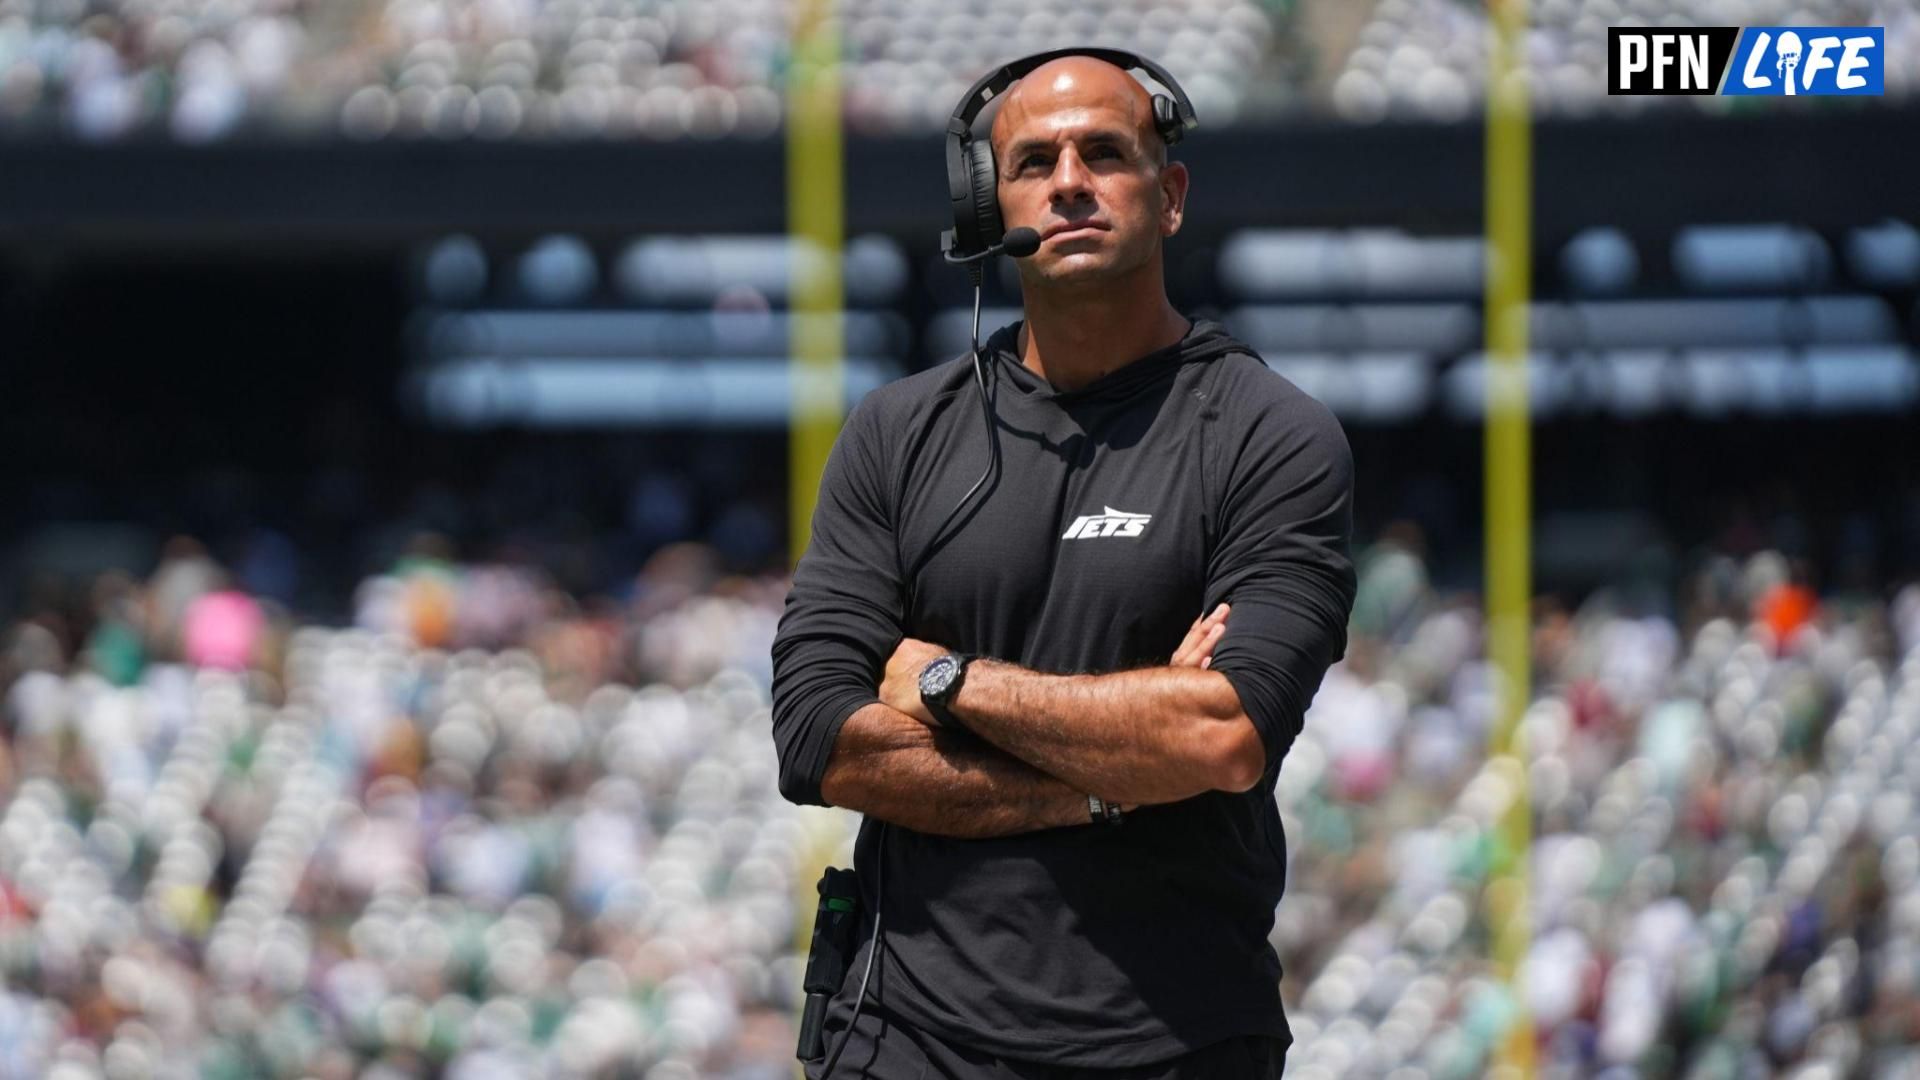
{"x":1205,"y":341}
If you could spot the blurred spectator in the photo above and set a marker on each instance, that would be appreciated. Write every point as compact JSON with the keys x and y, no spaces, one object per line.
{"x":115,"y":648}
{"x":222,"y":628}
{"x":185,"y":574}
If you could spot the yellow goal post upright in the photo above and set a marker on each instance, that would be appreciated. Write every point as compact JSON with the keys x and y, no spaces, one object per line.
{"x":1509,"y":512}
{"x":816,"y":232}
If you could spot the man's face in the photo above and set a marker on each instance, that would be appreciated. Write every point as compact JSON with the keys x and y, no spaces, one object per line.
{"x":1078,"y":164}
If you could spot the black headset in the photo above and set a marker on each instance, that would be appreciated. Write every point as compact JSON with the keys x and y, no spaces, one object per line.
{"x":971,"y":172}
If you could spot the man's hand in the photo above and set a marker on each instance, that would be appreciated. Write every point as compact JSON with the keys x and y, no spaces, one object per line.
{"x":900,"y":687}
{"x":1197,"y":649}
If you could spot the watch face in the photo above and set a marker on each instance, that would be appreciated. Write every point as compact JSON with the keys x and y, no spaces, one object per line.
{"x":937,"y":675}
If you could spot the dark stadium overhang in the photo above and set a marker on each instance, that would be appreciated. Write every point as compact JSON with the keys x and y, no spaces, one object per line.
{"x":1839,"y":166}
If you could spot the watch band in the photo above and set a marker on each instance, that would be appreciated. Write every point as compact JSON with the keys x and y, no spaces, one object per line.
{"x":943,"y":714}
{"x":1103,"y":811}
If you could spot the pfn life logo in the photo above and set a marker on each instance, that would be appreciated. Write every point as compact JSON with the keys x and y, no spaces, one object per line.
{"x":1784,"y":61}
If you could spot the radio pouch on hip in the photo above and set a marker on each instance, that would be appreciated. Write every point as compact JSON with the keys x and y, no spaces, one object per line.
{"x":829,"y":955}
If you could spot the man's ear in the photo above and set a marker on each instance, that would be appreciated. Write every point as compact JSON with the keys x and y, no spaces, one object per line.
{"x":1174,"y":179}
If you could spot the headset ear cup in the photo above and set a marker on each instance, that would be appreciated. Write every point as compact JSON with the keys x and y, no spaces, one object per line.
{"x":1166,"y":117}
{"x":986,"y":193}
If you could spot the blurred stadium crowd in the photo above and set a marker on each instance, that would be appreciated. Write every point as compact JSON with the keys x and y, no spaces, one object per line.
{"x":100,"y":69}
{"x":476,"y":828}
{"x":488,"y":831}
{"x":495,"y":68}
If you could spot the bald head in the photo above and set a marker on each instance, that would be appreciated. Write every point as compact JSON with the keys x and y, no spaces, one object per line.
{"x":1077,"y":84}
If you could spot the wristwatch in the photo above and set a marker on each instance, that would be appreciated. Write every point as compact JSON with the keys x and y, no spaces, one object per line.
{"x":939,"y":681}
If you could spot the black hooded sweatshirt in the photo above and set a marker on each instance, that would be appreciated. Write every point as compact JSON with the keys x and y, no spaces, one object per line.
{"x":1123,"y":509}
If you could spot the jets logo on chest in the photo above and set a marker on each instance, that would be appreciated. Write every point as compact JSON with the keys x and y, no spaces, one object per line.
{"x":1111,"y":523}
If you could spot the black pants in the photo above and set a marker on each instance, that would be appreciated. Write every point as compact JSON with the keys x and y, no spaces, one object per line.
{"x":884,"y":1048}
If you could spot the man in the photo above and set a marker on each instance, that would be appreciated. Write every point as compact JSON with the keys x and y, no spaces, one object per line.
{"x":1153,"y":467}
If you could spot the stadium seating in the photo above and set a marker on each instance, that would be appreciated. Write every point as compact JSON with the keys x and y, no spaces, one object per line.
{"x":569,"y":68}
{"x":449,"y":836}
{"x":716,"y":68}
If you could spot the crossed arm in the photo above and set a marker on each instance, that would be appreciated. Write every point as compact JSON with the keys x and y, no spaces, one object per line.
{"x":1037,"y":743}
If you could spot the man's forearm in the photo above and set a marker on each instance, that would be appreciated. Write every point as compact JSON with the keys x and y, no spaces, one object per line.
{"x":889,"y":765}
{"x":1148,"y":735}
